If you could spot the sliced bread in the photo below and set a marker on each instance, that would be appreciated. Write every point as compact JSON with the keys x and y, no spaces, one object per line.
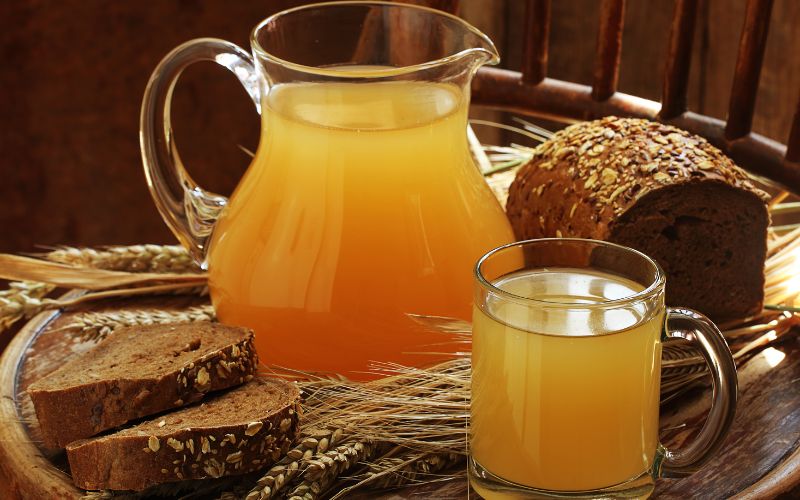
{"x":242,"y":430}
{"x":139,"y":371}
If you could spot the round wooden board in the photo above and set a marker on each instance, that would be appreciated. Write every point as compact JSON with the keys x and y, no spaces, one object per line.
{"x":759,"y":459}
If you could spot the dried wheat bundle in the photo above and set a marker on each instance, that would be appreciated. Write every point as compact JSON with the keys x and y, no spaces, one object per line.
{"x":421,"y":409}
{"x":111,"y":272}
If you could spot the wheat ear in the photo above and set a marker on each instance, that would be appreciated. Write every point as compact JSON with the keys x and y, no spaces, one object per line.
{"x":134,"y":258}
{"x":98,"y":325}
{"x":22,"y":299}
{"x":324,"y":469}
{"x":315,"y":442}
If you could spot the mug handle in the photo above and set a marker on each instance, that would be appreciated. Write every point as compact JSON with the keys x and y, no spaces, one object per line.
{"x":693,"y":326}
{"x":189,"y":210}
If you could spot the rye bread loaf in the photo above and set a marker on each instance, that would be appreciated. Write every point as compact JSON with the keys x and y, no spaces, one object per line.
{"x":239,"y":431}
{"x":661,"y":190}
{"x":139,"y":371}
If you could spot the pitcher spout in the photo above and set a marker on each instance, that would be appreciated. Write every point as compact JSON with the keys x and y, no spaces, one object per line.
{"x":479,"y":49}
{"x":451,"y":42}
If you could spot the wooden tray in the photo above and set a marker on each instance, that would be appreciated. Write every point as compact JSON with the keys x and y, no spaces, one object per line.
{"x":760,"y":457}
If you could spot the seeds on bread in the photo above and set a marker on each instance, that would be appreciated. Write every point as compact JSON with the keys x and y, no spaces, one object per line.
{"x":136,"y":372}
{"x":242,"y":430}
{"x":661,"y":190}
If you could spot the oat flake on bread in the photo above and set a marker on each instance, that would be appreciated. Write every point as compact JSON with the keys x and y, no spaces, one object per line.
{"x":661,"y":190}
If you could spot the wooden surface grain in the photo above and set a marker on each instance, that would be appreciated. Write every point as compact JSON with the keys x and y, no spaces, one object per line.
{"x":759,"y":459}
{"x":765,"y":432}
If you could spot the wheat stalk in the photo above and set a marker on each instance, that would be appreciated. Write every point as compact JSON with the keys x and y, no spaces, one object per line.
{"x":134,"y":258}
{"x":23,"y":300}
{"x":18,"y":268}
{"x":406,"y":468}
{"x":96,"y":326}
{"x":418,"y":408}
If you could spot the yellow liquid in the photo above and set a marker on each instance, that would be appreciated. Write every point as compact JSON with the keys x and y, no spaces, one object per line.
{"x":573,"y":406}
{"x":361,"y":205}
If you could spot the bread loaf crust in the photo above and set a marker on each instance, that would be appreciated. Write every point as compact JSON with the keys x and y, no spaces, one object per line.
{"x":593,"y":172}
{"x":71,"y":413}
{"x":136,"y":462}
{"x":588,"y":180}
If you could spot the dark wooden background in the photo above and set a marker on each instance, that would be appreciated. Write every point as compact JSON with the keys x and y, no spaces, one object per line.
{"x":72,"y":73}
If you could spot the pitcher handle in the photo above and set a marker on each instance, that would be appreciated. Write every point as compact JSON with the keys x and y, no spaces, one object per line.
{"x":189,"y":210}
{"x":691,"y":325}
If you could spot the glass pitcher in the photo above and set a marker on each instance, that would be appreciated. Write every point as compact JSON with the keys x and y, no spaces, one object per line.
{"x":362,"y":208}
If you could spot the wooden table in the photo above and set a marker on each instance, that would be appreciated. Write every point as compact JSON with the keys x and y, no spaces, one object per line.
{"x":759,"y":459}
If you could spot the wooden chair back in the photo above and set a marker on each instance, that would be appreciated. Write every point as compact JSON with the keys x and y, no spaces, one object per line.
{"x":531,"y":92}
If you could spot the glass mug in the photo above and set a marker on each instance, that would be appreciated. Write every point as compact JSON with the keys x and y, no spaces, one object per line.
{"x":362,"y":206}
{"x":566,"y":368}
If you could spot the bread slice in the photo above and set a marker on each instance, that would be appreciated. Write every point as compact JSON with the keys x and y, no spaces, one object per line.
{"x":139,"y":371}
{"x":242,"y":430}
{"x":660,"y":190}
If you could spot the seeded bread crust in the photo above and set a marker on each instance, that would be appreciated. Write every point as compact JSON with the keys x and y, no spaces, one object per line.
{"x":175,"y":451}
{"x":69,"y":413}
{"x":656,"y":188}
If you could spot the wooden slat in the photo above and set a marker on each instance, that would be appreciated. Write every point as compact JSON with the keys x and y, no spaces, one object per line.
{"x":752,"y":43}
{"x":609,"y":48}
{"x":537,"y":34}
{"x":793,"y":145}
{"x":679,"y":59}
{"x":569,"y":102}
